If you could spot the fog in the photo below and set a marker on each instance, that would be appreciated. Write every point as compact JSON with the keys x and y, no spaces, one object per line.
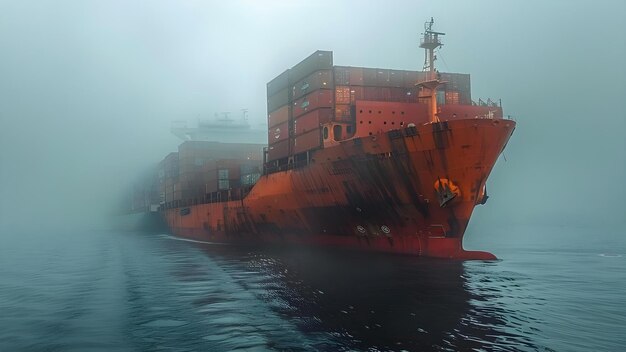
{"x":88,"y":90}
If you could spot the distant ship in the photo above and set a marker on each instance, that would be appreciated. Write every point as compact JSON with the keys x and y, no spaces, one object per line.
{"x":221,"y":128}
{"x":361,"y":158}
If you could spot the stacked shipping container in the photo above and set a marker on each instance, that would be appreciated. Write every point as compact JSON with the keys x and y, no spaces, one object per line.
{"x":314,"y":92}
{"x":200,"y":168}
{"x":298,"y":101}
{"x":169,"y":185}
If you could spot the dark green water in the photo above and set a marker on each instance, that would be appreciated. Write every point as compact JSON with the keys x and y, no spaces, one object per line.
{"x":108,"y":291}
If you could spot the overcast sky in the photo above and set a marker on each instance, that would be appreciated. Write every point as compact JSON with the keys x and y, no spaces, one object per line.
{"x":88,"y":90}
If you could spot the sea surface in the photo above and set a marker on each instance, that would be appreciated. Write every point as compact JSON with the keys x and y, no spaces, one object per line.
{"x":554,"y":289}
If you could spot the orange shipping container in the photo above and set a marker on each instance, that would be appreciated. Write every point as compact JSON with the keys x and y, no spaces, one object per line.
{"x":307,"y":141}
{"x":322,"y":98}
{"x":452,"y":98}
{"x":342,"y":75}
{"x":278,"y":150}
{"x":312,"y":120}
{"x":343,"y":113}
{"x":342,"y":95}
{"x":319,"y":60}
{"x":356,"y":76}
{"x":278,"y":100}
{"x":317,"y":80}
{"x":278,"y":133}
{"x":279,"y":83}
{"x":279,"y":116}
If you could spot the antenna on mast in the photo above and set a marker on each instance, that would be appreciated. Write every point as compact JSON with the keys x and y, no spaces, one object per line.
{"x":429,"y":42}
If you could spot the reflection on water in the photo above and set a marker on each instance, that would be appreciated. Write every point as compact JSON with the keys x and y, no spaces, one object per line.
{"x":382,"y":302}
{"x":131,"y":292}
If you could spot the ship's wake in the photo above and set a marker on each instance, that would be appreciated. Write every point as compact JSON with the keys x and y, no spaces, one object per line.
{"x":170,"y":237}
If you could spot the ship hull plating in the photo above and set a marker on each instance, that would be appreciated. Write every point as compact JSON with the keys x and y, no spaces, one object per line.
{"x":409,"y":191}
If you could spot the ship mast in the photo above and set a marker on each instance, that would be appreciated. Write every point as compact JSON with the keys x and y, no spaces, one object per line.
{"x":429,"y":42}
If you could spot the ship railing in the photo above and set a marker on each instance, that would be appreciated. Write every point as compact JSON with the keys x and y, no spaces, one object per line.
{"x":297,"y":162}
{"x":212,"y":197}
{"x":430,"y":39}
{"x":488,"y":102}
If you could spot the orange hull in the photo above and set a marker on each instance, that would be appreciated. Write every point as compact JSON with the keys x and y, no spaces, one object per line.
{"x":409,"y":191}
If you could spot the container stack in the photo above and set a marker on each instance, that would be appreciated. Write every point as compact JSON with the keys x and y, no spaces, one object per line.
{"x":299,"y":100}
{"x":314,"y":92}
{"x":200,"y":168}
{"x":169,"y":184}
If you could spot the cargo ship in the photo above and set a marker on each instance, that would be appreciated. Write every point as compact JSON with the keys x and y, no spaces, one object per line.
{"x":359,"y":158}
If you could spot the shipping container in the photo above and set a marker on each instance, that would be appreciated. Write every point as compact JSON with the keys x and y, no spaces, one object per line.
{"x":317,"y":80}
{"x":343,"y":112}
{"x":356,"y":93}
{"x":342,"y":95}
{"x":278,"y":116}
{"x":382,"y":94}
{"x":319,"y":60}
{"x":175,"y":193}
{"x":375,"y":77}
{"x":452,"y":98}
{"x":322,"y":98}
{"x":382,"y":78}
{"x":396,"y":78}
{"x":411,"y":78}
{"x":223,"y":184}
{"x":279,"y":83}
{"x":232,"y":167}
{"x":278,"y":100}
{"x":250,"y":168}
{"x":250,"y":179}
{"x":458,"y":82}
{"x":278,"y":133}
{"x":341,"y":75}
{"x":356,"y":76}
{"x":312,"y":120}
{"x":348,"y":76}
{"x":307,"y":141}
{"x":370,"y":77}
{"x":278,"y":150}
{"x":191,"y":150}
{"x":222,"y":174}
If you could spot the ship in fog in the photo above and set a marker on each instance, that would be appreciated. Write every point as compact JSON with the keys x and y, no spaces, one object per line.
{"x":363,"y":158}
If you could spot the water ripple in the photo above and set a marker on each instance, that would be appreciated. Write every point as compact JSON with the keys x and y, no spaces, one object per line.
{"x":132,"y":292}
